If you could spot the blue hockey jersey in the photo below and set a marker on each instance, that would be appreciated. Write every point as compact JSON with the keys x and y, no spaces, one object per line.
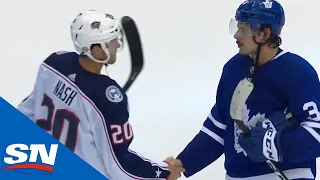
{"x":286,"y":81}
{"x":89,"y":114}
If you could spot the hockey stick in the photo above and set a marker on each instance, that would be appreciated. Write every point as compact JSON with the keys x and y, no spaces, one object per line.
{"x":239,"y":98}
{"x":135,"y":48}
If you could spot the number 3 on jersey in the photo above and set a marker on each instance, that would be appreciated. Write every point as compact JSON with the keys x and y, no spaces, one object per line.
{"x":313,"y":110}
{"x":56,"y":120}
{"x":121,"y":133}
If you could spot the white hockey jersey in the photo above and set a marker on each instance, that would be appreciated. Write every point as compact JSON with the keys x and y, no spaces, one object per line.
{"x":88,"y":113}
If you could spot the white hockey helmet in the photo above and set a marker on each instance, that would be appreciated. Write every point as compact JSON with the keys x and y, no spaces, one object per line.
{"x":94,"y":27}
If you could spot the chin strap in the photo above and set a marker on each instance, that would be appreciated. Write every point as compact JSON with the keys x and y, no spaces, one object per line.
{"x":106,"y":69}
{"x":256,"y":62}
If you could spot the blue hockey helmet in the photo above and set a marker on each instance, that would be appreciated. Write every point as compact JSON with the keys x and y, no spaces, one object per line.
{"x":261,"y":12}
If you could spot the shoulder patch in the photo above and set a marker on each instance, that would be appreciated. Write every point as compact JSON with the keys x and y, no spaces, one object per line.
{"x":114,"y":94}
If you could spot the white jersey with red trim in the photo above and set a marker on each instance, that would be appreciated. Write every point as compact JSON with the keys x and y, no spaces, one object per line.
{"x":89,"y":114}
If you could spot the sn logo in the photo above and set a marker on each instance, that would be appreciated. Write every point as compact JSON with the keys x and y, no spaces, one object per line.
{"x":18,"y":158}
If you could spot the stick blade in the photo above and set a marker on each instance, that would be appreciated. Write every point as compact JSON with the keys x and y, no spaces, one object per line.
{"x":239,"y":98}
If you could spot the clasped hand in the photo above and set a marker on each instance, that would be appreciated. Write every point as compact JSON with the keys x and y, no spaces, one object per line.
{"x":175,"y":167}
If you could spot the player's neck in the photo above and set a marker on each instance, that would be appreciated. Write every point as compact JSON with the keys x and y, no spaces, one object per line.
{"x":89,"y":65}
{"x":266,"y":54}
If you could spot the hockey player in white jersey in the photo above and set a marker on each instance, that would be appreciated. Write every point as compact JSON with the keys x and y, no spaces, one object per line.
{"x":85,"y":110}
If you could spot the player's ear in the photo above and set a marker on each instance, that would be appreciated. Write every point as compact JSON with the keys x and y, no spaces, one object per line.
{"x":95,"y":47}
{"x":266,"y":34}
{"x":95,"y":50}
{"x":263,"y":35}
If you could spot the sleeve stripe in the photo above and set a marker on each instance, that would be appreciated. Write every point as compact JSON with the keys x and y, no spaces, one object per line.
{"x":213,"y":135}
{"x":217,"y":123}
{"x":163,"y":165}
{"x":313,"y":133}
{"x":310,"y":124}
{"x":309,"y":127}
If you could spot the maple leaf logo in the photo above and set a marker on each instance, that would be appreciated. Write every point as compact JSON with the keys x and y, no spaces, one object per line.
{"x":249,"y":122}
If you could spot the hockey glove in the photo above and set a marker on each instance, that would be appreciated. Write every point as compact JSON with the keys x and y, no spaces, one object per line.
{"x":264,"y":140}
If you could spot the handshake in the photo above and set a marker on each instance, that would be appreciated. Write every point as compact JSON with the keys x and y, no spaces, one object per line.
{"x":175,"y":168}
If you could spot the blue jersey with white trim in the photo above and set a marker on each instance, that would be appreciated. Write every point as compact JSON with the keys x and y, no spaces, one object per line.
{"x":89,"y":114}
{"x":287,"y":81}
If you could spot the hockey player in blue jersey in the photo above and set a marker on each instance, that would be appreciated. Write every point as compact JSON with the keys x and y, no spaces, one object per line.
{"x":86,"y":110}
{"x":273,"y":80}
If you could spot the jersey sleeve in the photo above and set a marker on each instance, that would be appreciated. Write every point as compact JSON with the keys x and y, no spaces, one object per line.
{"x":208,"y":144}
{"x":26,"y":107}
{"x":113,"y":136}
{"x":302,"y":91}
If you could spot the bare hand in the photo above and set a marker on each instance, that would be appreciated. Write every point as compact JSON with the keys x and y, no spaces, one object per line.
{"x":175,"y":167}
